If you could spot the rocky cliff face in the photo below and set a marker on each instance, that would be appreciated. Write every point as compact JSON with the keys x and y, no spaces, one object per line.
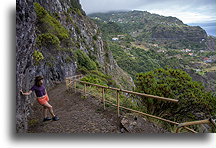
{"x":47,"y":34}
{"x":25,"y":38}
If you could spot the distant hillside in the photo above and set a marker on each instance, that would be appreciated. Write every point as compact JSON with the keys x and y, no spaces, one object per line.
{"x":141,"y":42}
{"x":144,"y":26}
{"x":210,"y":27}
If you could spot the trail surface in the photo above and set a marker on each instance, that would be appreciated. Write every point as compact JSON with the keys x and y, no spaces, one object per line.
{"x":78,"y":115}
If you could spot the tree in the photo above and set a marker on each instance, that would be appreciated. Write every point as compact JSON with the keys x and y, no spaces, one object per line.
{"x":194,"y":102}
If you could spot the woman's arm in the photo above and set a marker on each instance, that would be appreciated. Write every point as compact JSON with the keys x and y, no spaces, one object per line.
{"x":26,"y":93}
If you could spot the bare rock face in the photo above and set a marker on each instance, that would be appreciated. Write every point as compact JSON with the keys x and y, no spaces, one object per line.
{"x":25,"y":38}
{"x":56,"y":63}
{"x":136,"y":124}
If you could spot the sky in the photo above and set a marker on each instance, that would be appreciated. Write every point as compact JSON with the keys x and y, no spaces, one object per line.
{"x":189,"y":11}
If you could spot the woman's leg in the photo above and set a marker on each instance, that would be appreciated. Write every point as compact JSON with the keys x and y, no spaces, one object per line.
{"x":49,"y":108}
{"x":45,"y":111}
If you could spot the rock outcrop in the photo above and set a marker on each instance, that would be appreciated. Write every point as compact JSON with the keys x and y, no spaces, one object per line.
{"x":47,"y":34}
{"x":131,"y":123}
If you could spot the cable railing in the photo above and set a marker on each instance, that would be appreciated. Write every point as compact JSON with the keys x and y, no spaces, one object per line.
{"x":71,"y":83}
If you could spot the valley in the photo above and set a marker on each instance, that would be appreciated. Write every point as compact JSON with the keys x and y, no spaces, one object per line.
{"x":141,"y":42}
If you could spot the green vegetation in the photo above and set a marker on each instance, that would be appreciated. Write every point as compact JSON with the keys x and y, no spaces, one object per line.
{"x":38,"y":56}
{"x":169,"y":32}
{"x":68,"y":59}
{"x":194,"y":101}
{"x":98,"y":77}
{"x":95,"y":37}
{"x":77,"y":29}
{"x":48,"y":24}
{"x":91,"y":69}
{"x":75,"y":4}
{"x":78,"y":12}
{"x":109,"y":28}
{"x":135,"y":60}
{"x":84,"y":62}
{"x":48,"y":40}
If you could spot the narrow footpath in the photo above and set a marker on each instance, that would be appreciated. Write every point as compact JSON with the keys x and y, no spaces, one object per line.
{"x":78,"y":115}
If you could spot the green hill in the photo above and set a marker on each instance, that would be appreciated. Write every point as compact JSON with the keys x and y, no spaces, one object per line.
{"x":148,"y":41}
{"x":144,"y":26}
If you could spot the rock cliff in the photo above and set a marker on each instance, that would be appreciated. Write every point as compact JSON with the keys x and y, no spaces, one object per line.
{"x":48,"y":32}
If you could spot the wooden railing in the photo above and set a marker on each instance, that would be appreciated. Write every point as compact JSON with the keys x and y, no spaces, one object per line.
{"x":207,"y":121}
{"x":71,"y":83}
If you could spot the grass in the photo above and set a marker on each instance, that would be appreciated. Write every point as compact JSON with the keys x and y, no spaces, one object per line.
{"x":211,"y":69}
{"x":141,"y":46}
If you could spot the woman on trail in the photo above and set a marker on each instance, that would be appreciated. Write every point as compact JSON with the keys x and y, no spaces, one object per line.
{"x":42,"y":98}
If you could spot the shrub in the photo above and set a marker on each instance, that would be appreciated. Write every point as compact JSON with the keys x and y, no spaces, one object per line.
{"x":68,"y":59}
{"x":48,"y":40}
{"x":177,"y":84}
{"x":97,"y":77}
{"x":49,"y":24}
{"x":37,"y":56}
{"x":95,"y":37}
{"x":84,"y":60}
{"x":77,"y":29}
{"x":92,"y":78}
{"x":78,"y":12}
{"x":83,"y":70}
{"x":56,"y":15}
{"x":40,"y":11}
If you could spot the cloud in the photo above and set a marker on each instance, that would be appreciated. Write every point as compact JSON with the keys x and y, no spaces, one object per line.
{"x":187,"y":11}
{"x":91,"y":6}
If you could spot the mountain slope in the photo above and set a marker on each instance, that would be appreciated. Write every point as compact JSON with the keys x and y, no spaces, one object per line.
{"x":49,"y":37}
{"x":168,"y":31}
{"x":141,"y":42}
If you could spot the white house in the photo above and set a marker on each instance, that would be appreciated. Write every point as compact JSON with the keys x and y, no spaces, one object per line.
{"x":115,"y":39}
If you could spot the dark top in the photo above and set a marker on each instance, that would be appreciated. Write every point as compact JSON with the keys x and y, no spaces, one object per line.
{"x":39,"y":91}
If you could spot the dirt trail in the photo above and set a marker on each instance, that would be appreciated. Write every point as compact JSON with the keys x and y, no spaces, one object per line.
{"x":77,"y":115}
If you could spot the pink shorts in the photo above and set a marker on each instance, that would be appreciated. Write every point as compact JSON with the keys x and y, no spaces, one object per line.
{"x":43,"y":100}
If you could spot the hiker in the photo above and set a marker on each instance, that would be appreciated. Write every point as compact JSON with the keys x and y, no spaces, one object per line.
{"x":42,"y":98}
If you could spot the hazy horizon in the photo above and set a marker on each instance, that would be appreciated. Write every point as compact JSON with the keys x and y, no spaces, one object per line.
{"x":193,"y":11}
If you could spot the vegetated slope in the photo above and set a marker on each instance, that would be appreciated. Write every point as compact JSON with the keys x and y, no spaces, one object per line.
{"x":144,"y":43}
{"x":195,"y":103}
{"x":50,"y":38}
{"x":148,"y":41}
{"x":144,"y":26}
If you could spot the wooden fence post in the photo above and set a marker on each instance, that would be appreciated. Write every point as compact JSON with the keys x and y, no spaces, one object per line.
{"x":85,"y":90}
{"x":66,"y":81}
{"x":103,"y":98}
{"x":118,"y":103}
{"x":75,"y":86}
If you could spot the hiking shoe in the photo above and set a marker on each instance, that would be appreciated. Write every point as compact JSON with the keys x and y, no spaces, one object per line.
{"x":55,"y":118}
{"x":46,"y":119}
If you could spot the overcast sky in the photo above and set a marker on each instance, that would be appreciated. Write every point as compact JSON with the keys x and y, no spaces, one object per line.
{"x":189,"y":11}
